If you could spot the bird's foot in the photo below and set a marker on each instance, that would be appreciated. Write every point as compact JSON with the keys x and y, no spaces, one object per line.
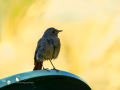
{"x":46,"y":69}
{"x":55,"y":69}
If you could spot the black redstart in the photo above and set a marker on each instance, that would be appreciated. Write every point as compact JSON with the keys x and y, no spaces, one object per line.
{"x":48,"y":48}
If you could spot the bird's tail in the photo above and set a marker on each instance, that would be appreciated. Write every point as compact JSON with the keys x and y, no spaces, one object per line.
{"x":38,"y":66}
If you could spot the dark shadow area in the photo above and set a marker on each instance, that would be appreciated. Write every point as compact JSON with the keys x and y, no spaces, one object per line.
{"x":48,"y":83}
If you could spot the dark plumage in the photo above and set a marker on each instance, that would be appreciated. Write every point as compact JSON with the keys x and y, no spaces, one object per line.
{"x":48,"y":47}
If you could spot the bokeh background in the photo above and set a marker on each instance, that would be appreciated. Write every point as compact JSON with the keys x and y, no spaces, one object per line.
{"x":90,"y":41}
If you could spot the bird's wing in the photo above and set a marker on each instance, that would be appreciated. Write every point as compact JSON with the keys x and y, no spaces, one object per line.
{"x":56,"y":47}
{"x":49,"y":48}
{"x":37,"y":48}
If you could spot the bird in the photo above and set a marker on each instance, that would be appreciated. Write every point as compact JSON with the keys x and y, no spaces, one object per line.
{"x":48,"y":48}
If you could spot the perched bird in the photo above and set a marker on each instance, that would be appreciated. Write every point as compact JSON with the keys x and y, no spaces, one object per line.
{"x":48,"y":48}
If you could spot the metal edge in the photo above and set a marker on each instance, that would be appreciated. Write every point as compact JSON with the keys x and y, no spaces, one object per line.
{"x":32,"y":74}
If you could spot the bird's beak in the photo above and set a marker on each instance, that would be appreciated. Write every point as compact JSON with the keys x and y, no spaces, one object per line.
{"x":59,"y":31}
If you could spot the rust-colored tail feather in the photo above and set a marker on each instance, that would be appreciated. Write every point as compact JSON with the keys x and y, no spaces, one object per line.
{"x":38,"y":66}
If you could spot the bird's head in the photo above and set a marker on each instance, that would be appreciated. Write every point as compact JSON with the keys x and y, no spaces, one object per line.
{"x":51,"y":32}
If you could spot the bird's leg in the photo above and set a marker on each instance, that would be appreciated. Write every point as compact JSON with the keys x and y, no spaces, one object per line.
{"x":53,"y":66}
{"x":44,"y":68}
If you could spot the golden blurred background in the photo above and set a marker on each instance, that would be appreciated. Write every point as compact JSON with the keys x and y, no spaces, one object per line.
{"x":90,"y":41}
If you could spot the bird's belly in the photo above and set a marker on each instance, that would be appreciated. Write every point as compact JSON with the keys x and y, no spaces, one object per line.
{"x":45,"y":54}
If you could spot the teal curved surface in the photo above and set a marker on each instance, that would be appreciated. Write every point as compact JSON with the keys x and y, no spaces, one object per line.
{"x":37,"y":73}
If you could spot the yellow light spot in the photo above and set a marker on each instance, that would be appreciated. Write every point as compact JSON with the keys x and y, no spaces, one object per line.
{"x":6,"y":49}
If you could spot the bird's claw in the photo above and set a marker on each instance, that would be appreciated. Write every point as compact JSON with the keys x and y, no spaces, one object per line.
{"x":46,"y":69}
{"x":55,"y":69}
